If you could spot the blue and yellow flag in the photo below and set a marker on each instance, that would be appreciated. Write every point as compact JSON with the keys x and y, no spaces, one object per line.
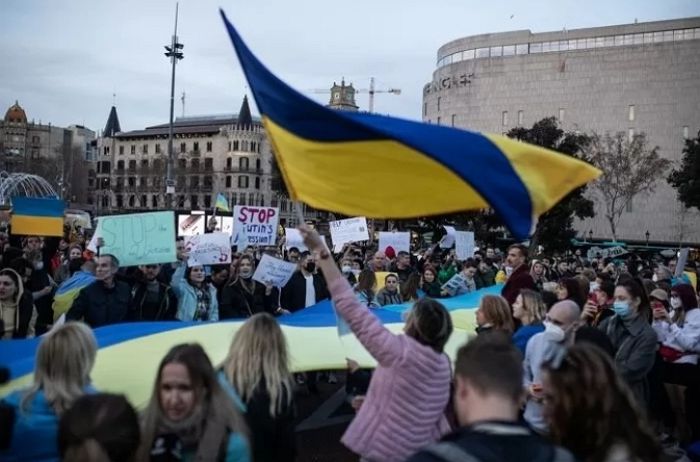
{"x":362,"y":164}
{"x":222,"y":203}
{"x":33,"y":216}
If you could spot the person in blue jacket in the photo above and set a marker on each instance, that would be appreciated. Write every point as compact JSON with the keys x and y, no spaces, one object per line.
{"x":190,"y":416}
{"x":196,"y":298}
{"x":530,"y":310}
{"x":64,"y":360}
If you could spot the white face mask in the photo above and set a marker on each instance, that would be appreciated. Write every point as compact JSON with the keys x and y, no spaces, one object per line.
{"x":655,"y":278}
{"x":676,"y":303}
{"x":346,"y":269}
{"x":554,"y":332}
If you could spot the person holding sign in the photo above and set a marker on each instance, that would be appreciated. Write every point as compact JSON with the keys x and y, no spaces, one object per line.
{"x":196,"y":298}
{"x":410,"y":387}
{"x":243,"y":296}
{"x":305,"y":288}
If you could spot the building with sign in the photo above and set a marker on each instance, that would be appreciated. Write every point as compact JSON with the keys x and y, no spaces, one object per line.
{"x":633,"y":78}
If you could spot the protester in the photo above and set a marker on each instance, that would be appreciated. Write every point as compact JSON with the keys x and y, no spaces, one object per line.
{"x":196,"y":297}
{"x":542,"y":347}
{"x":487,"y":397}
{"x":586,"y":402}
{"x":538,"y":274}
{"x":530,"y":310}
{"x":305,"y":288}
{"x":410,"y":387}
{"x":64,"y":359}
{"x":569,"y":289}
{"x":219,"y":277}
{"x":429,"y":284}
{"x":486,"y":274}
{"x":389,"y":294}
{"x":100,"y":427}
{"x":263,"y":381}
{"x":16,"y":307}
{"x":378,"y":262}
{"x":243,"y":296}
{"x":402,"y":267}
{"x":189,"y":415}
{"x":632,"y":337}
{"x":38,"y":254}
{"x":67,"y":266}
{"x":519,"y":277}
{"x":599,"y":305}
{"x":494,"y":314}
{"x":105,"y":301}
{"x":462,"y":282}
{"x":151,"y":300}
{"x":69,"y":290}
{"x":365,"y":287}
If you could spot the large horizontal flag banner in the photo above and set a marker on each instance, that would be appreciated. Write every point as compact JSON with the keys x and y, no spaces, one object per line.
{"x":329,"y":158}
{"x":129,"y":353}
{"x":37,"y":216}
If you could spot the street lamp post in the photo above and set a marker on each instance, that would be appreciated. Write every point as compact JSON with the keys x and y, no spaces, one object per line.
{"x":647,"y":234}
{"x":174,"y":52}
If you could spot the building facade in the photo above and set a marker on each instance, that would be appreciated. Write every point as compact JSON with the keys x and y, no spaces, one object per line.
{"x":642,"y":77}
{"x":230,"y":155}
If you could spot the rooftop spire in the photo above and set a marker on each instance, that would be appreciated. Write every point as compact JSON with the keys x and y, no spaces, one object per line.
{"x":112,"y":126}
{"x":244,"y":117}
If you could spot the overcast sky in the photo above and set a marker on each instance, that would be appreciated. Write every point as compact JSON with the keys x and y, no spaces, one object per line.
{"x":63,"y":60}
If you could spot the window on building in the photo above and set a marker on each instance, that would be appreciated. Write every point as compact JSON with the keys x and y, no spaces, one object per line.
{"x":195,"y":165}
{"x":243,"y":163}
{"x":257,"y":164}
{"x":236,"y":145}
{"x":208,"y":146}
{"x":496,"y":51}
{"x":521,"y":116}
{"x":120,"y":201}
{"x":208,"y":181}
{"x":121,"y":150}
{"x":132,"y":181}
{"x":228,"y":181}
{"x":504,"y":118}
{"x":132,"y":165}
{"x":157,"y":148}
{"x":142,"y":181}
{"x":194,"y":201}
{"x":208,"y":164}
{"x":195,"y":146}
{"x":482,"y":52}
{"x":181,"y":181}
{"x":508,"y":50}
{"x":522,"y":49}
{"x":536,"y":48}
{"x":228,"y":163}
{"x":234,"y":198}
{"x":120,"y":165}
{"x":685,"y":132}
{"x":257,"y":182}
{"x":229,"y":146}
{"x":156,"y":181}
{"x":133,"y":149}
{"x":194,"y":182}
{"x":562,"y":113}
{"x":144,"y":201}
{"x":183,"y":148}
{"x":438,"y":103}
{"x":182,"y":164}
{"x":452,"y":121}
{"x":132,"y":201}
{"x":630,"y":134}
{"x":438,"y":120}
{"x":181,"y":201}
{"x":243,"y":182}
{"x":207,"y":201}
{"x":144,"y":149}
{"x":154,"y":201}
{"x":157,"y":165}
{"x":469,"y":54}
{"x":120,"y":182}
{"x":253,"y":146}
{"x":144,"y":163}
{"x":630,"y":113}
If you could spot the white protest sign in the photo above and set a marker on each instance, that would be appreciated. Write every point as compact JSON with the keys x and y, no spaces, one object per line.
{"x":208,"y":249}
{"x":191,"y":225}
{"x":680,"y":264}
{"x":448,"y":240}
{"x":397,"y":241}
{"x":274,"y":271}
{"x":349,"y":230}
{"x":464,"y":245}
{"x":254,"y":225}
{"x":293,"y":239}
{"x":455,"y":282}
{"x":611,"y":252}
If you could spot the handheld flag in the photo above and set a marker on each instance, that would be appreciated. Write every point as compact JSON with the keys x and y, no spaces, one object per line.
{"x":221,"y":203}
{"x":32,"y":216}
{"x":384,"y":167}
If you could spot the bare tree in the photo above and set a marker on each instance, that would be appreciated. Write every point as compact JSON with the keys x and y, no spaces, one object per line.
{"x":629,"y":168}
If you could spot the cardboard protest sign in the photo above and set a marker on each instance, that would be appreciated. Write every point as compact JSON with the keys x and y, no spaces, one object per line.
{"x":347,"y":231}
{"x":448,"y":240}
{"x":292,"y":238}
{"x":208,"y":249}
{"x":138,"y":238}
{"x":455,"y":282}
{"x":254,"y":225}
{"x":274,"y":271}
{"x":397,"y":241}
{"x":464,"y":245}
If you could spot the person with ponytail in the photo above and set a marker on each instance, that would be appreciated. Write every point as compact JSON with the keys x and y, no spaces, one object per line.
{"x":410,"y":387}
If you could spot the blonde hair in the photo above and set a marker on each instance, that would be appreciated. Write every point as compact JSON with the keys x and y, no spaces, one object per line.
{"x":259,"y":352}
{"x":497,"y":311}
{"x":62,"y":367}
{"x":533,"y":305}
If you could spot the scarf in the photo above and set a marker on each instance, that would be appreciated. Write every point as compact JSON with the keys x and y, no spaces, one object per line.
{"x":203,"y":431}
{"x":203,"y":303}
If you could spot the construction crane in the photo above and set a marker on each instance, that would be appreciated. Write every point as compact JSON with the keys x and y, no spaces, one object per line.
{"x":371,"y":90}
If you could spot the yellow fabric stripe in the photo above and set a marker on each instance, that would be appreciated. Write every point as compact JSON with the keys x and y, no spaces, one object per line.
{"x":349,"y":177}
{"x":548,"y":175}
{"x":37,"y":226}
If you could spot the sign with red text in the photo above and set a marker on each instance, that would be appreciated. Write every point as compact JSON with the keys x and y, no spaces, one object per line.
{"x":254,"y":225}
{"x":208,"y":249}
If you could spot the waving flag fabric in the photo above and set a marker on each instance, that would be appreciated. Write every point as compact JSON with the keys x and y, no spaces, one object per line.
{"x":222,"y":203}
{"x":68,"y":291}
{"x":34,"y":216}
{"x":383,"y":167}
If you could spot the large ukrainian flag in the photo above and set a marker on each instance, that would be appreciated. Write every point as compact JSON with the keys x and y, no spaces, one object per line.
{"x":35,"y":216}
{"x":334,"y":160}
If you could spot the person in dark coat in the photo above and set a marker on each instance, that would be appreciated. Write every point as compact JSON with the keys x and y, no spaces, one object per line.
{"x":519,"y":275}
{"x":151,"y":300}
{"x":244,"y":296}
{"x":16,"y":307}
{"x":305,"y":288}
{"x":105,"y":301}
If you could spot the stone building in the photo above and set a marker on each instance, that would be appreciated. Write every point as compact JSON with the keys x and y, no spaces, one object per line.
{"x":642,"y":77}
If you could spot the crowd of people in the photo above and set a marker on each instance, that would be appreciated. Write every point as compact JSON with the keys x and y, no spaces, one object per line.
{"x":572,"y":359}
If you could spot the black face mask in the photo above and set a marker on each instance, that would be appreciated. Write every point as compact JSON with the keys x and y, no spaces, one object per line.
{"x":310,"y":267}
{"x":482,"y":329}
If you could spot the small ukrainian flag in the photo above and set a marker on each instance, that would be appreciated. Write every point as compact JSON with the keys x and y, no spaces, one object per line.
{"x":222,"y":203}
{"x":33,"y":216}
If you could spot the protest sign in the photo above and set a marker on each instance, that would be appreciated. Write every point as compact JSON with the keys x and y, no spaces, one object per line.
{"x":347,"y":231}
{"x":138,"y":238}
{"x":611,"y":252}
{"x":292,"y":238}
{"x":448,"y":240}
{"x":208,"y":249}
{"x":397,"y":241}
{"x":191,"y":224}
{"x":464,"y":245}
{"x":274,"y":271}
{"x":680,"y":264}
{"x":455,"y":282}
{"x":254,"y":225}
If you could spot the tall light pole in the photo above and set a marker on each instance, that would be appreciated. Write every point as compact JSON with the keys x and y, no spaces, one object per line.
{"x":174,"y":52}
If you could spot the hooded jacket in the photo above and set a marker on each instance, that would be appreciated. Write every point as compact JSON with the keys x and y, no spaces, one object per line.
{"x":25,"y":314}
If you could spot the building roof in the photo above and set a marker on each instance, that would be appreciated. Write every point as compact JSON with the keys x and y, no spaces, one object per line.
{"x":16,"y":114}
{"x":112,"y":127}
{"x":244,"y":117}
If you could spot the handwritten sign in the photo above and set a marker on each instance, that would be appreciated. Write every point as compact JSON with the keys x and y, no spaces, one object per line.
{"x":274,"y":271}
{"x":139,"y":238}
{"x":397,"y":241}
{"x":208,"y":249}
{"x":191,"y":225}
{"x":254,"y":225}
{"x":292,"y":238}
{"x":464,"y":245}
{"x":448,"y":240}
{"x":349,"y":230}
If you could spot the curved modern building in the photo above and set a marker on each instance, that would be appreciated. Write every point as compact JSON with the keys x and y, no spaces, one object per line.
{"x":642,"y":77}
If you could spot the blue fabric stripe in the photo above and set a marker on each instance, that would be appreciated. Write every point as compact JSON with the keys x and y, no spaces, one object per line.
{"x":38,"y":207}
